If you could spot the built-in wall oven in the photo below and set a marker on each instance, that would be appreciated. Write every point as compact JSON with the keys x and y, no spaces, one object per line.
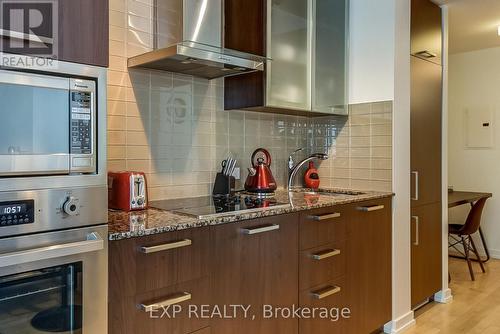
{"x":54,"y":282}
{"x":53,"y":200}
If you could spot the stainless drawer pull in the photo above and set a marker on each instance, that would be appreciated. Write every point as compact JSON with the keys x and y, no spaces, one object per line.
{"x":371,"y":208}
{"x":325,"y":217}
{"x":260,"y":229}
{"x":416,"y":197}
{"x":417,"y":228}
{"x":323,"y":293}
{"x":164,"y":247}
{"x":182,"y":297}
{"x":326,"y":254}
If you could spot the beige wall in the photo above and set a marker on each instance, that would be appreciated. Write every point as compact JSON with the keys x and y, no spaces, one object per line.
{"x":474,"y":78}
{"x":174,"y":128}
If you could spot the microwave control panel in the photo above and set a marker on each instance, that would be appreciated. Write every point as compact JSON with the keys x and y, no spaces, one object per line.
{"x":17,"y":213}
{"x":81,"y":122}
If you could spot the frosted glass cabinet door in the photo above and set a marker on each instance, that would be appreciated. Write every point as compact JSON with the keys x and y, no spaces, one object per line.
{"x":329,"y":56}
{"x":289,"y":47}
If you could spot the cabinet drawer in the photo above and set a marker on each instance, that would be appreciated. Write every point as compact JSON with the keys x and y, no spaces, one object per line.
{"x":332,"y":296}
{"x":144,"y":313}
{"x":157,"y":261}
{"x":321,"y":264}
{"x":322,"y":226}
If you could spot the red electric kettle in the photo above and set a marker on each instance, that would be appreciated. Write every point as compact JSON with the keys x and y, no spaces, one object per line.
{"x":260,"y":178}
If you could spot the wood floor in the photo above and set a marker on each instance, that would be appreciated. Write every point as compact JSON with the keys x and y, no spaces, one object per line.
{"x":475,"y":308}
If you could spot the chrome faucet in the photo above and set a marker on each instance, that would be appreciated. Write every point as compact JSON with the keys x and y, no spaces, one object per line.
{"x":294,"y":169}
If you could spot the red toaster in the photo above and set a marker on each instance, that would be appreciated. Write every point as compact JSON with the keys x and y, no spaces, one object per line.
{"x":127,"y":191}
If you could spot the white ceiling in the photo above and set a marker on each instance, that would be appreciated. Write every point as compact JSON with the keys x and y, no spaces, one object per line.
{"x":473,"y":24}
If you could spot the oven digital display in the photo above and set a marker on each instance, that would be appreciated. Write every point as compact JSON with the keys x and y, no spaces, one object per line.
{"x":17,"y":213}
{"x":13,"y":209}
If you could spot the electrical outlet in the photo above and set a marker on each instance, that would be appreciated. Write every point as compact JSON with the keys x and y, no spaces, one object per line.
{"x":236,"y":173}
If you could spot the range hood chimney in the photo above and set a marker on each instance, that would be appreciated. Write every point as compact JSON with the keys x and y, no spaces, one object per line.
{"x":188,"y":39}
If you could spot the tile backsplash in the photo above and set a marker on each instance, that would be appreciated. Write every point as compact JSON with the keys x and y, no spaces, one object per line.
{"x":174,"y":127}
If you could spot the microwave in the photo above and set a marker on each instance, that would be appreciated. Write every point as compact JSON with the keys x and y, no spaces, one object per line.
{"x":47,"y":124}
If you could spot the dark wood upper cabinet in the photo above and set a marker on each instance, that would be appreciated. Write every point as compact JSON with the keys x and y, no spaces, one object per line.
{"x":426,"y":31}
{"x":306,"y":45}
{"x":245,"y":26}
{"x":245,"y":30}
{"x":84,"y":31}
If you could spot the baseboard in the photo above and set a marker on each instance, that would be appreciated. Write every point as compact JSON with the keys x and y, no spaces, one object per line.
{"x":494,"y":253}
{"x":443,"y":296}
{"x":400,"y":324}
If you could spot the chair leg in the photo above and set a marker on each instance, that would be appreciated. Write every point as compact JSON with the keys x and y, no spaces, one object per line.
{"x":474,"y":249}
{"x":466,"y":249}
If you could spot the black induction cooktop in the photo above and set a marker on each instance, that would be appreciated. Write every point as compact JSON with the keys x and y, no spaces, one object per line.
{"x":203,"y":207}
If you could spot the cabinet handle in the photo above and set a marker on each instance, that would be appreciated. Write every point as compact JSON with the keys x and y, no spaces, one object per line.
{"x":371,"y":208}
{"x":325,"y":254}
{"x":179,"y":298}
{"x":260,"y":229}
{"x":164,"y":247}
{"x":326,"y":292}
{"x":325,"y":217}
{"x":417,"y":226}
{"x":416,"y":186}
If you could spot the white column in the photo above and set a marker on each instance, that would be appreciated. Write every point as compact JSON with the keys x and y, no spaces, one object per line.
{"x":402,"y":315}
{"x":444,"y":296}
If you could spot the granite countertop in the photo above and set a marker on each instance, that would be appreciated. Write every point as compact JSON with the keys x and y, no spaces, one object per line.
{"x":123,"y":225}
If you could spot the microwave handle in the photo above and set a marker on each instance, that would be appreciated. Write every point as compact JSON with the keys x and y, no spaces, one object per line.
{"x":93,"y":243}
{"x":34,"y":80}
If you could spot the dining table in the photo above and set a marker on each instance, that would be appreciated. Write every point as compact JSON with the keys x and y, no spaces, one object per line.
{"x":458,"y":198}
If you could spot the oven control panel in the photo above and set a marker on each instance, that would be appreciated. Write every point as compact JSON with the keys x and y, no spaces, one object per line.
{"x":17,"y":213}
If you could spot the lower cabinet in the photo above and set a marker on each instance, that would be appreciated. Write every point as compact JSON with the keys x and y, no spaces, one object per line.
{"x":251,"y":275}
{"x":138,"y":315}
{"x":426,"y":259}
{"x":369,"y":266}
{"x":255,"y":264}
{"x":331,"y":296}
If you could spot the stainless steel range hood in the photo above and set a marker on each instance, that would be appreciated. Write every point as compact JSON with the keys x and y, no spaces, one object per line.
{"x":188,"y":39}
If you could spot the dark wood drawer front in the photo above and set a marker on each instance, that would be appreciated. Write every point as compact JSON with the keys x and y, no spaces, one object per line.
{"x":370,"y":270}
{"x":331,"y":295}
{"x":321,"y":264}
{"x":255,"y":263}
{"x":157,"y":261}
{"x":322,"y":226}
{"x":133,"y":315}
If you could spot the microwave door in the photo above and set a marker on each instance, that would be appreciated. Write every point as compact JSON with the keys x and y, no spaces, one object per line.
{"x":34,"y":125}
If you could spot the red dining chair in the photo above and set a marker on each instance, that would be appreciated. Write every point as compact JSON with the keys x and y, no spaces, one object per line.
{"x":461,"y":234}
